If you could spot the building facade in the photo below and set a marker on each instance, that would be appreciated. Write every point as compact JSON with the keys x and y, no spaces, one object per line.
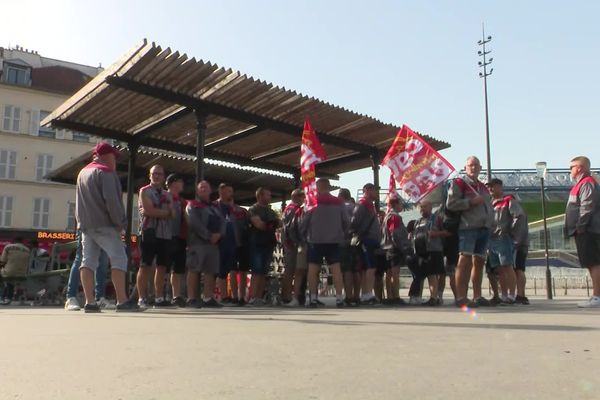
{"x":31,"y":86}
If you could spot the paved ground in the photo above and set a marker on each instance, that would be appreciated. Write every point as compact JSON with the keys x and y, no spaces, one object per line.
{"x":549,"y":350}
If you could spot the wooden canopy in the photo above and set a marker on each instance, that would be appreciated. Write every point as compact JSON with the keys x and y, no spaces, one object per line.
{"x":159,"y":98}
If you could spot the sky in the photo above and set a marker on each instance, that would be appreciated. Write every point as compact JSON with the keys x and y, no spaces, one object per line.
{"x":403,"y":62}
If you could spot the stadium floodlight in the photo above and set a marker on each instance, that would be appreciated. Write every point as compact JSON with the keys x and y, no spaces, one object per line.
{"x":540,"y":169}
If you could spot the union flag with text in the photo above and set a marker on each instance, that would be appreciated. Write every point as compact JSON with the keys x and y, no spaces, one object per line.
{"x":417,"y":167}
{"x":311,"y":153}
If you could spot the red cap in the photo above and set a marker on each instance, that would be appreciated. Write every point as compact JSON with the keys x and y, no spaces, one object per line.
{"x":105,"y":148}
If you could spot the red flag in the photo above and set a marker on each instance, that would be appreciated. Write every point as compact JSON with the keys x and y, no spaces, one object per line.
{"x":311,"y":153}
{"x":417,"y":167}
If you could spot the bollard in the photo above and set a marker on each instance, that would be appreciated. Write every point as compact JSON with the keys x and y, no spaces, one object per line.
{"x":566,"y":284}
{"x":553,"y":286}
{"x":535,"y":286}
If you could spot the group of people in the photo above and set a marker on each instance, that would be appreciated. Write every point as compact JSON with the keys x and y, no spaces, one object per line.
{"x":478,"y":226}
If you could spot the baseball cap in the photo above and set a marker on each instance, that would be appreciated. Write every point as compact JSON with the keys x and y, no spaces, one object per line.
{"x":494,"y":181}
{"x":103,"y":148}
{"x":173,"y":178}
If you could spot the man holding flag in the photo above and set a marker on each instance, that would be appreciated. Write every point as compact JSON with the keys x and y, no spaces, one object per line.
{"x":324,"y":222}
{"x":416,"y":166}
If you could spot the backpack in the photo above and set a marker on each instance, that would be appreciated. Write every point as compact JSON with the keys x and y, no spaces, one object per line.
{"x":450,"y":219}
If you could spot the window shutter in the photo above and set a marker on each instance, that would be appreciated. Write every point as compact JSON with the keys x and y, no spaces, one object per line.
{"x":35,"y":123}
{"x":6,"y":125}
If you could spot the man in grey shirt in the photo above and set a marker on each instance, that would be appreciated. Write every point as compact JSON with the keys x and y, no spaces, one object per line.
{"x":156,"y":215}
{"x":101,"y":219}
{"x":471,"y":198}
{"x":582,"y":221}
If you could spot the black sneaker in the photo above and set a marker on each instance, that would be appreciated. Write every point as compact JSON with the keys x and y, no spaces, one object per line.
{"x":227,"y":301}
{"x":349,"y":302}
{"x":483,"y":302}
{"x":178,"y":302}
{"x":91,"y":308}
{"x":193,"y":303}
{"x":163,"y":304}
{"x":312,"y":304}
{"x":241,"y":302}
{"x":399,"y":302}
{"x":212,"y":303}
{"x":129,"y":306}
{"x":339,"y":303}
{"x":320,"y":303}
{"x":431,"y":302}
{"x":522,"y":300}
{"x":462,"y":303}
{"x":494,"y":301}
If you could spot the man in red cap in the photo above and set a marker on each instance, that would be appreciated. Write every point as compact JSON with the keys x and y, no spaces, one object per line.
{"x":101,"y":218}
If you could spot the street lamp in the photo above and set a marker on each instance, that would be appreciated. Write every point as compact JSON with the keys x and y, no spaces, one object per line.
{"x":540,"y":169}
{"x":484,"y":64}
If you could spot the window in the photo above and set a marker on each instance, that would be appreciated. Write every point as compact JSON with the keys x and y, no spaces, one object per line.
{"x":71,"y":224}
{"x":81,"y":137}
{"x":17,"y":75}
{"x":41,"y":213}
{"x":44,"y":165}
{"x":45,"y":132}
{"x":6,"y":205}
{"x":8,"y":163}
{"x":12,"y":119}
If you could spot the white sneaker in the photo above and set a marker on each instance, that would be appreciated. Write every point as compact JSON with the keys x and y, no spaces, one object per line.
{"x":293,"y":303}
{"x":592,"y":302}
{"x":415,"y":301}
{"x":106,"y":304}
{"x":142,"y":304}
{"x":72,"y":304}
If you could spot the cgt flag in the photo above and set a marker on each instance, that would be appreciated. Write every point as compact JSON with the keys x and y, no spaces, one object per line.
{"x":417,"y":167}
{"x":311,"y":153}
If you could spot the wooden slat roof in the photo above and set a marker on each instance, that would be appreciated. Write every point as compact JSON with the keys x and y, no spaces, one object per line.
{"x":149,"y":96}
{"x":245,"y":181}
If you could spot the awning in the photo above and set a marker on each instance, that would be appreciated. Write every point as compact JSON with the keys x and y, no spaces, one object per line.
{"x":245,"y":180}
{"x":154,"y":97}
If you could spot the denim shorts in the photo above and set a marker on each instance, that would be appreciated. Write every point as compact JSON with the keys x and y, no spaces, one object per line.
{"x":502,"y":252}
{"x":317,"y":252}
{"x":521,"y":257}
{"x":473,"y":242}
{"x":260,"y":259}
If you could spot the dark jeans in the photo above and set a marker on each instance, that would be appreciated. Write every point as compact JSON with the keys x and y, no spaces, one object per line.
{"x":9,"y":291}
{"x":416,"y":269}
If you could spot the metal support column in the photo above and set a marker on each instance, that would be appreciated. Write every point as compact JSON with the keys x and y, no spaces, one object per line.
{"x":133,"y":149}
{"x":200,"y":138}
{"x":375,"y":165}
{"x":549,"y":279}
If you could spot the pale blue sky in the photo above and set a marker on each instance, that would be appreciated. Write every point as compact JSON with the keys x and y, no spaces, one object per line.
{"x":412,"y":62}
